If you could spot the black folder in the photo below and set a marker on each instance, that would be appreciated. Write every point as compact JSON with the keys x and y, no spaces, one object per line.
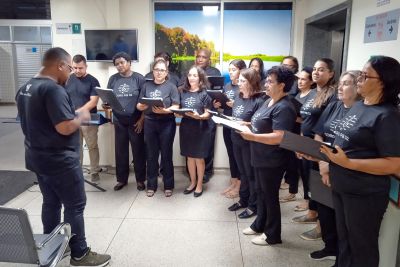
{"x":182,"y":111}
{"x":108,"y":96}
{"x":219,"y":96}
{"x":152,"y":102}
{"x":319,"y":191}
{"x":304,"y":145}
{"x":216,"y":82}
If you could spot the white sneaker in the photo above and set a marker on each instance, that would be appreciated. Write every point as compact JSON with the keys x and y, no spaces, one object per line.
{"x":249,"y":231}
{"x":260,"y":240}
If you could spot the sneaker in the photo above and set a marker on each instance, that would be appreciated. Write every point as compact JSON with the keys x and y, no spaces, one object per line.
{"x":287,"y":198}
{"x":260,"y":240}
{"x":321,"y":255}
{"x":95,"y":178}
{"x":91,"y":259}
{"x":311,"y":235}
{"x":249,"y":231}
{"x":304,"y":219}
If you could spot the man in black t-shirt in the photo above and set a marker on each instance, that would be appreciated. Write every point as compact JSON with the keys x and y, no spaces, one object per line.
{"x":81,"y":88}
{"x":50,"y":127}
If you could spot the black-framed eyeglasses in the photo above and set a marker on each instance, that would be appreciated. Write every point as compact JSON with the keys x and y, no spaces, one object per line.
{"x":363,"y":76}
{"x":159,"y":70}
{"x":71,"y":69}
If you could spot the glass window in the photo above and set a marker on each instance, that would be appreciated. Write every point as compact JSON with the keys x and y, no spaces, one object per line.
{"x":26,"y":33}
{"x":45,"y":34}
{"x":5,"y":33}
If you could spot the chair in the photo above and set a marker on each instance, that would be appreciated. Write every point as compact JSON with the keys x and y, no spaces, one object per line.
{"x":19,"y":245}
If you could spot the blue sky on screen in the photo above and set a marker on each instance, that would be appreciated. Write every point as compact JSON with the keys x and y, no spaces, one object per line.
{"x":246,"y":31}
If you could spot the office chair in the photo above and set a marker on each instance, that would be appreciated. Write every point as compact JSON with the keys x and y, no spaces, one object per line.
{"x":19,"y":245}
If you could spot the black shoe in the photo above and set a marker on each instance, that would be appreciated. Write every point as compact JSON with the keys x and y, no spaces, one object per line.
{"x":321,"y":255}
{"x":119,"y":186}
{"x":235,"y":207}
{"x":140,"y":186}
{"x":206,"y":178}
{"x":195,"y":194}
{"x":188,"y":191}
{"x":247,"y":213}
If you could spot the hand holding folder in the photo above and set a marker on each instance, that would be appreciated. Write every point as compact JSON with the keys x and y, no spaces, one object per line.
{"x":108,"y":96}
{"x":152,"y":102}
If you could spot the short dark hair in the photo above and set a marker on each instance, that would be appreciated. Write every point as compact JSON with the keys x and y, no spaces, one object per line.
{"x":203,"y":81}
{"x":124,"y":55}
{"x":165,"y":55}
{"x":261,"y":63}
{"x":54,"y":55}
{"x":238,"y":63}
{"x":283,"y":75}
{"x":254,"y":79}
{"x":79,"y":58}
{"x":295,"y":61}
{"x":388,"y":70}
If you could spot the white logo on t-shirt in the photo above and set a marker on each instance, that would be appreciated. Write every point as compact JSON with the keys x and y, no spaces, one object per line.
{"x":254,"y":119}
{"x":341,"y":126}
{"x":155,"y":94}
{"x":237,"y":111}
{"x":190,"y":102}
{"x":123,"y":88}
{"x":28,"y":86}
{"x":230,"y":94}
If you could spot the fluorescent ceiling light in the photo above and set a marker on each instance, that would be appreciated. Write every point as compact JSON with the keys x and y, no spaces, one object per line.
{"x":210,"y":10}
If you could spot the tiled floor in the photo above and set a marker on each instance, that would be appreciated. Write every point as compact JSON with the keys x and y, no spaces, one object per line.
{"x":159,"y":231}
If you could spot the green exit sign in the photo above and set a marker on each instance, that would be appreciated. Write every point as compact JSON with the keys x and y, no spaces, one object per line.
{"x":76,"y":28}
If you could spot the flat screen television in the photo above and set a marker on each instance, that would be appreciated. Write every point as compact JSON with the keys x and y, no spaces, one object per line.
{"x":102,"y":45}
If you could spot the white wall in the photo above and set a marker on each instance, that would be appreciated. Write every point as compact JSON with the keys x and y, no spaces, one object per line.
{"x":358,"y":52}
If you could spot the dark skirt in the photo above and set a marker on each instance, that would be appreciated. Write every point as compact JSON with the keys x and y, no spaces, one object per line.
{"x":194,"y":138}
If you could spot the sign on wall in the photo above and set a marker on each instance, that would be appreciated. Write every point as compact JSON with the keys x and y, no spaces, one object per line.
{"x":68,"y":28}
{"x":382,"y":27}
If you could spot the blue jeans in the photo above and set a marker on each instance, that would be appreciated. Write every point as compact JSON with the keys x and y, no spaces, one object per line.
{"x":159,"y":137}
{"x":66,"y":189}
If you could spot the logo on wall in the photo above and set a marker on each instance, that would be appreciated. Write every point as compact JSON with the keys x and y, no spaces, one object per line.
{"x":155,"y":94}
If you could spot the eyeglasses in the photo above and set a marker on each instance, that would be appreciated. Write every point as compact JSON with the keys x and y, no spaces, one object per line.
{"x":71,"y":69}
{"x":159,"y":70}
{"x":363,"y":76}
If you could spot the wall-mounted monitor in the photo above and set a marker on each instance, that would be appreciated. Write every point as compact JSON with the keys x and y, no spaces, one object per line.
{"x":102,"y":45}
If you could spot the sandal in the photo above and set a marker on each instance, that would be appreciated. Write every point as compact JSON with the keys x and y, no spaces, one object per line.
{"x":287,"y":198}
{"x":150,"y":193}
{"x":232,"y":194}
{"x":168,"y":193}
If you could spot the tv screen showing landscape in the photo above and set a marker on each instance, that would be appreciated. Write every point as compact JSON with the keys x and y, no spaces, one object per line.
{"x":102,"y":45}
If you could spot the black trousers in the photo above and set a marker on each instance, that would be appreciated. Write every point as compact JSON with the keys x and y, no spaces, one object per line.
{"x":327,"y":220}
{"x":358,"y":220}
{"x":268,"y":220}
{"x":292,"y":172}
{"x":209,"y":160}
{"x":125,"y":134}
{"x":233,"y":165}
{"x":247,"y":192}
{"x":159,"y":138}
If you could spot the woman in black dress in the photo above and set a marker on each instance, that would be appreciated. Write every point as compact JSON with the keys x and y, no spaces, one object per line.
{"x":268,"y":124}
{"x":368,"y":151}
{"x":159,"y":127}
{"x":231,"y":90}
{"x":194,"y":129}
{"x":246,"y":103}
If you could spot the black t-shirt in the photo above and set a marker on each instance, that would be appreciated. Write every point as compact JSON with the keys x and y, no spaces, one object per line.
{"x":333,"y":113}
{"x":243,"y":110}
{"x":280,"y":116}
{"x":366,"y":132}
{"x":167,"y":91}
{"x":81,"y":89}
{"x":231,"y":91}
{"x":310,"y":114}
{"x":172,"y":78}
{"x":127,"y":90}
{"x":42,"y":104}
{"x":195,"y":100}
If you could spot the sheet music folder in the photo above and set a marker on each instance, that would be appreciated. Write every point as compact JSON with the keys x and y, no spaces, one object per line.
{"x":219,"y":96}
{"x":230,"y":124}
{"x":304,"y":145}
{"x":182,"y":111}
{"x":152,"y":102}
{"x":108,"y":96}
